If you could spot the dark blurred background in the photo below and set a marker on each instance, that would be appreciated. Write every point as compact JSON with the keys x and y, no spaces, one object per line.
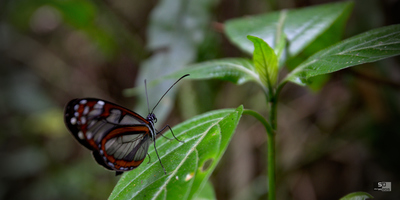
{"x":331,"y":141}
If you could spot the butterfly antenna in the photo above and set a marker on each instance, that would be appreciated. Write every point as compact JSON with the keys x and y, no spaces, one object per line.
{"x":167,"y":91}
{"x":147,"y":97}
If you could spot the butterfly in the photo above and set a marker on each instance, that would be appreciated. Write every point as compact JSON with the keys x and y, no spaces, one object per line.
{"x":118,"y":137}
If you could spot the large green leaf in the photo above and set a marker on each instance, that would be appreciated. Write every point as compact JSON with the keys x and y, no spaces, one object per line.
{"x":265,"y":61}
{"x":367,"y":47}
{"x":357,"y":196}
{"x":330,"y":37}
{"x":301,"y":26}
{"x":188,"y":164}
{"x":235,"y":70}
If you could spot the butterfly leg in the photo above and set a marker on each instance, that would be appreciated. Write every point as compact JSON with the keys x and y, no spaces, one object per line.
{"x":166,"y":137}
{"x":154,"y":142}
{"x":167,"y":126}
{"x":149,"y":158}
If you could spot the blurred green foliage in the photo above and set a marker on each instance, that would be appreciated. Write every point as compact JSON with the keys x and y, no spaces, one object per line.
{"x":51,"y":51}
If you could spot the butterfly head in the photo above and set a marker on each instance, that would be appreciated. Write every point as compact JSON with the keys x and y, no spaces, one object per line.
{"x":151,"y":118}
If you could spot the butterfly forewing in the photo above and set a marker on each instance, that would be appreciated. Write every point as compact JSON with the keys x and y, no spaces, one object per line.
{"x":118,"y":137}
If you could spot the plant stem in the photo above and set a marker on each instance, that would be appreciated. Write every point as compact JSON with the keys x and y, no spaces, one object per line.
{"x":271,"y":166}
{"x":271,"y":142}
{"x":271,"y":129}
{"x":260,"y":118}
{"x":273,"y":112}
{"x":273,"y":103}
{"x":271,"y":148}
{"x":271,"y":152}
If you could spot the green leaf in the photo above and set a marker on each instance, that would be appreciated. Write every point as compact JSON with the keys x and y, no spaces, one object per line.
{"x":357,"y":196}
{"x":301,"y":26}
{"x":265,"y":61}
{"x":235,"y":70}
{"x":207,"y":193}
{"x":367,"y":47}
{"x":279,"y":50}
{"x":329,"y":37}
{"x":188,"y":164}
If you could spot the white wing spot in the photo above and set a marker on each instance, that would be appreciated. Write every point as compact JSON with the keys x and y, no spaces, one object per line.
{"x":89,"y":135}
{"x":76,"y":114}
{"x":76,"y":107}
{"x":83,"y":120}
{"x":73,"y":121}
{"x":99,"y":105}
{"x":86,"y":110}
{"x":83,"y":101}
{"x":80,"y":135}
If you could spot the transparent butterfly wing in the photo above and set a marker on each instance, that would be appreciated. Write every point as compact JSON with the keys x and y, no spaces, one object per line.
{"x":118,"y":137}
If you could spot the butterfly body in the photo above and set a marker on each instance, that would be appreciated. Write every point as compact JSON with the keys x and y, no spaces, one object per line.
{"x":118,"y":137}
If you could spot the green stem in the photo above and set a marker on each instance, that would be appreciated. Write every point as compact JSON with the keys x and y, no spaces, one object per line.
{"x":273,"y":103}
{"x":271,"y":129}
{"x":271,"y":148}
{"x":271,"y":141}
{"x":260,"y":118}
{"x":271,"y":151}
{"x":271,"y":166}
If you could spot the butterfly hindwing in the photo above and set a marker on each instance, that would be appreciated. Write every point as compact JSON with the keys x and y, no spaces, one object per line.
{"x":124,"y":147}
{"x":127,"y":159}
